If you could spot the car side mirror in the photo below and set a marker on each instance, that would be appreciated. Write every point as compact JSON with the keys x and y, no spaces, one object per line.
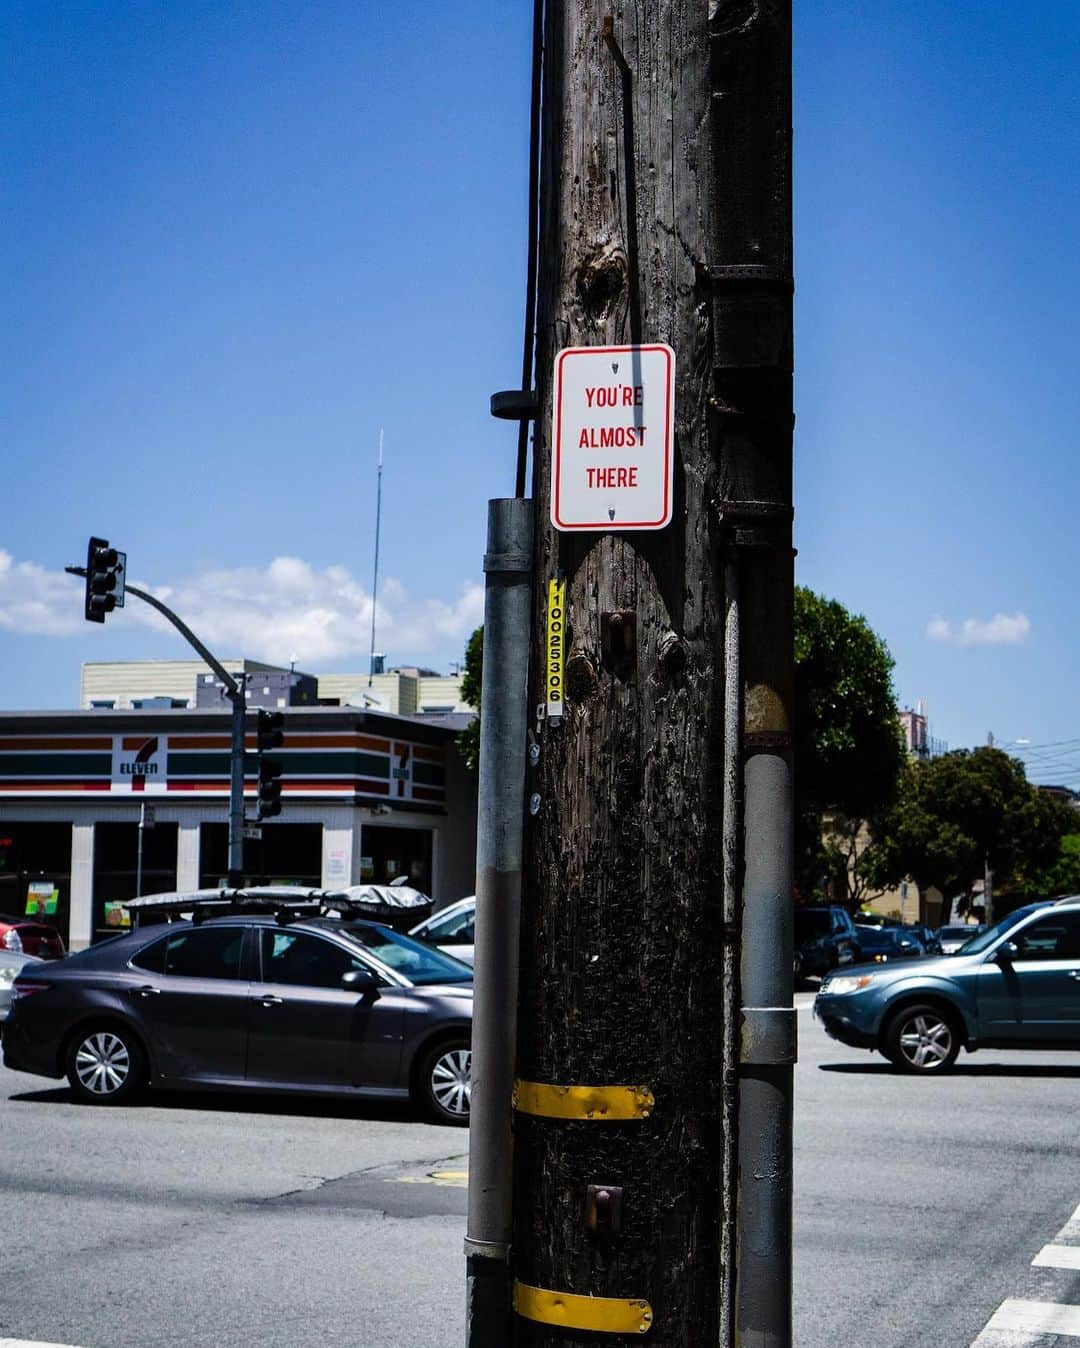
{"x":363,"y":982}
{"x":1006,"y":952}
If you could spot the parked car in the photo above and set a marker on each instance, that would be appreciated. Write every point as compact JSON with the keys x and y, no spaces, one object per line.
{"x":927,"y":936}
{"x":10,"y":965}
{"x":879,"y":945}
{"x":258,"y":996}
{"x":1015,"y":985}
{"x":953,"y":937}
{"x":26,"y":936}
{"x":825,"y":937}
{"x":451,"y":929}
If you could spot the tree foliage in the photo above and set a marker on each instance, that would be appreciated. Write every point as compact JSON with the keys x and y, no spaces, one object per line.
{"x":849,"y":749}
{"x":1062,"y":875}
{"x":471,"y":679}
{"x":957,"y":814}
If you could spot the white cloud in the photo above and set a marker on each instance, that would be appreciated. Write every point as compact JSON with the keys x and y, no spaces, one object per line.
{"x":1000,"y":630}
{"x":267,"y":613}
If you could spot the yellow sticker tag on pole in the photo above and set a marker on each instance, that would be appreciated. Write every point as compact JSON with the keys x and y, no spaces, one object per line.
{"x":556,"y":642}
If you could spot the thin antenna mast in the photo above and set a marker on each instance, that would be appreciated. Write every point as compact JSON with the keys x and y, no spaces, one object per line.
{"x":375,"y":578}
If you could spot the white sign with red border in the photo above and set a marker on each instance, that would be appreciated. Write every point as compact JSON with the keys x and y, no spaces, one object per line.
{"x":613,"y":438}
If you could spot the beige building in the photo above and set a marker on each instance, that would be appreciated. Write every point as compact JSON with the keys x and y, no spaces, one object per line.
{"x":119,"y":685}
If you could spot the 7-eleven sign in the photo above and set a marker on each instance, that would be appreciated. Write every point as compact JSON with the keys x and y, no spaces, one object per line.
{"x":139,"y":763}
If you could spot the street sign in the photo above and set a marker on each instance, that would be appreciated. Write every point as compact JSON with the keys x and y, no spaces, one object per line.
{"x":252,"y":832}
{"x":613,"y":436}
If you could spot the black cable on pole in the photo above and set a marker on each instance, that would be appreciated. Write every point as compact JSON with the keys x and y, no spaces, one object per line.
{"x":534,"y":231}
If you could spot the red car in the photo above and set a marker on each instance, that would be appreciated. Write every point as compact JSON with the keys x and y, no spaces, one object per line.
{"x":27,"y":937}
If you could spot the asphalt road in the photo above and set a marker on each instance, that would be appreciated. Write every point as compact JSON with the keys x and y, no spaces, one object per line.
{"x":218,"y":1221}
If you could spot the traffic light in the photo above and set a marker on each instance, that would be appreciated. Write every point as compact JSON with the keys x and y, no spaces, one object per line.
{"x":269,"y":788}
{"x":270,"y":733}
{"x":104,"y":579}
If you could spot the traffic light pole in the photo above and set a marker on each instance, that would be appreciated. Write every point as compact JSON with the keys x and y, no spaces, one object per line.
{"x":234,"y":691}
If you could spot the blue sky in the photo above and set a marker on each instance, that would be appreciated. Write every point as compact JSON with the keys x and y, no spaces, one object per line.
{"x":237,"y":239}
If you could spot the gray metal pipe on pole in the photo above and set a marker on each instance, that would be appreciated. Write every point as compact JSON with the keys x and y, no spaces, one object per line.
{"x":767,"y":1047}
{"x":500,"y":819}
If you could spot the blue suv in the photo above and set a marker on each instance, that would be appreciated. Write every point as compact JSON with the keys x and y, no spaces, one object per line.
{"x":1016,"y":985}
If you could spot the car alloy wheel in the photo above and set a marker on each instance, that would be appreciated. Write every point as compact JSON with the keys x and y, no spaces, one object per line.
{"x":446,"y":1082}
{"x":104,"y":1066}
{"x":450,"y":1081}
{"x":922,"y":1039}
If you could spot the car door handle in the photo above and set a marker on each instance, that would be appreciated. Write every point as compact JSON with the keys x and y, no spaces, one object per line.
{"x":147,"y":991}
{"x":269,"y":1000}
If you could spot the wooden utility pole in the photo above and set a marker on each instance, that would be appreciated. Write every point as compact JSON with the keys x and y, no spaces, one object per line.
{"x":665,"y":218}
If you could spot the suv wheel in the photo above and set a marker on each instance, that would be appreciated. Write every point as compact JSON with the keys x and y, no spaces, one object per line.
{"x":444,"y":1082}
{"x":922,"y":1039}
{"x":105,"y":1065}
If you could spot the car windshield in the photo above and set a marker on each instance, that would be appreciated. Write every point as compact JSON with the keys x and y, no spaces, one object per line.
{"x":958,"y":933}
{"x":988,"y":937}
{"x":420,"y":964}
{"x":811,"y":922}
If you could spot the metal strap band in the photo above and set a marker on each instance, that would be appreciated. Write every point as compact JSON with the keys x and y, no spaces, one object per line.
{"x":603,"y":1315}
{"x":507,"y":561}
{"x":767,"y":1036}
{"x":603,"y":1104}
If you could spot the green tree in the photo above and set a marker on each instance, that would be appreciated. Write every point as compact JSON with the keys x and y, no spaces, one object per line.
{"x":957,"y":814}
{"x":469,"y":739}
{"x":849,"y":750}
{"x":1062,"y":875}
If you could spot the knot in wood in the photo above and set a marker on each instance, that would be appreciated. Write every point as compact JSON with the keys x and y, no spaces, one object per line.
{"x":672,"y":653}
{"x":580,"y":677}
{"x":601,"y":283}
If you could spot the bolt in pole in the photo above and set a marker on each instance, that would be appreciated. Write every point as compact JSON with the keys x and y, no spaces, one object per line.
{"x":503,"y":731}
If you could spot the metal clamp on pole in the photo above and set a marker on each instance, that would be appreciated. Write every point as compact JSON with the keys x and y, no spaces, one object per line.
{"x":767,"y":1036}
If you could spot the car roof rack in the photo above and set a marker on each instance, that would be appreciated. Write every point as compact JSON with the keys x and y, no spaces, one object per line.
{"x":377,"y":903}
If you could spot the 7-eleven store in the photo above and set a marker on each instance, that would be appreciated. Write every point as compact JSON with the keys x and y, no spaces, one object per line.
{"x":366,"y":797}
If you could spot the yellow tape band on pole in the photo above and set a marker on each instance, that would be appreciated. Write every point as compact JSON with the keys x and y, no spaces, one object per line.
{"x":606,"y":1104}
{"x":604,"y":1315}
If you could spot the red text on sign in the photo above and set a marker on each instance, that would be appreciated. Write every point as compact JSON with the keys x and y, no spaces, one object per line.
{"x":611,"y":437}
{"x":615,"y":395}
{"x":611,"y":477}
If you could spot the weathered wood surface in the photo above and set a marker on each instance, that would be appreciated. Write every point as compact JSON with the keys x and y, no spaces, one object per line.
{"x":622,"y":923}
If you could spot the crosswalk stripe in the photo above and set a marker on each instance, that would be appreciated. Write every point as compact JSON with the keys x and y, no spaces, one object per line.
{"x":1058,"y":1256}
{"x":1033,"y":1317}
{"x":31,"y":1343}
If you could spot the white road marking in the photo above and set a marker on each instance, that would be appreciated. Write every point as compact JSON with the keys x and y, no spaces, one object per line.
{"x":1058,"y":1256}
{"x":1027,"y":1320}
{"x":31,"y":1343}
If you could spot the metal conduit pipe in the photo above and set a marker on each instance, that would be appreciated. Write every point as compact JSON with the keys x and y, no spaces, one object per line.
{"x":767,"y":1017}
{"x":500,"y":824}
